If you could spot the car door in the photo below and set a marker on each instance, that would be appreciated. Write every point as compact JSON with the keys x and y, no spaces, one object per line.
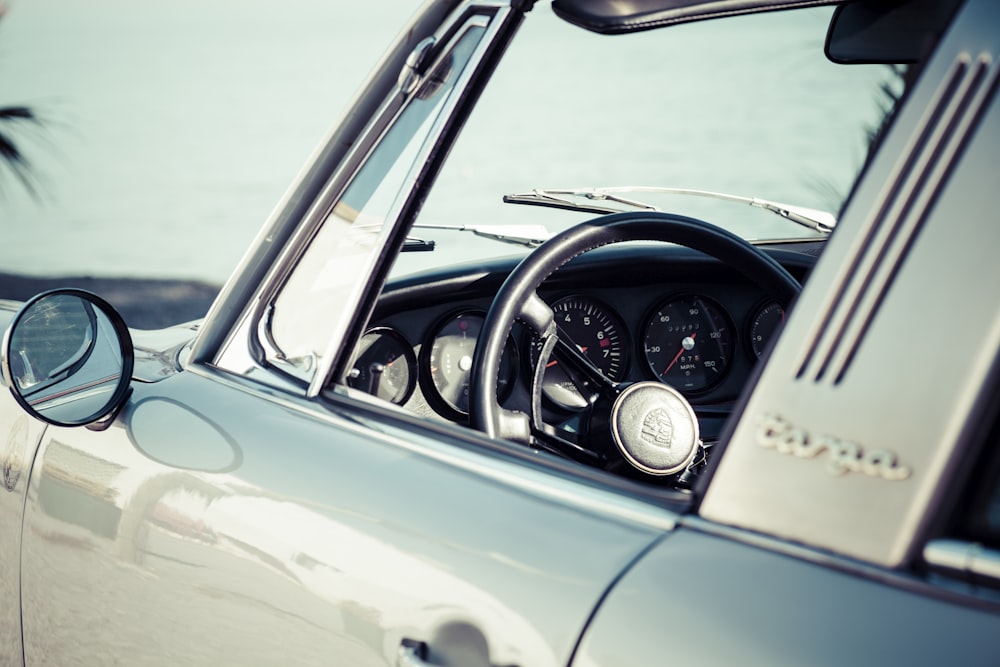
{"x":246,"y":511}
{"x":213,"y":523}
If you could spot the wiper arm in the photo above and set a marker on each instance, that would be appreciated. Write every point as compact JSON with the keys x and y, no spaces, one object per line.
{"x":586,"y":199}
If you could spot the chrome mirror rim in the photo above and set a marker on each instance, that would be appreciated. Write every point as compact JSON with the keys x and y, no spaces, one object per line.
{"x":119,"y":329}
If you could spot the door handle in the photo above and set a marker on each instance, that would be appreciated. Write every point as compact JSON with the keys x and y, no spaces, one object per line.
{"x":413,"y":653}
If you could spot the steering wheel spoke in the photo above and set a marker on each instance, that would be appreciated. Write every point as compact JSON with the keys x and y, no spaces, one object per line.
{"x":537,"y":315}
{"x":571,"y":355}
{"x":514,"y":425}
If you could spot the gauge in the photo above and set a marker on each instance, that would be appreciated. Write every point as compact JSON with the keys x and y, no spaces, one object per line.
{"x":597,"y":333}
{"x":766,"y":322}
{"x":687,"y":343}
{"x":448,"y":361}
{"x":384,"y":366}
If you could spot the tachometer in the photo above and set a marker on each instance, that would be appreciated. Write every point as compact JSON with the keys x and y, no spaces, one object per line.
{"x":687,"y":342}
{"x":597,"y":333}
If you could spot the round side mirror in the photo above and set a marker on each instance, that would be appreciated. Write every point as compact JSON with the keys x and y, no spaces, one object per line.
{"x":67,"y":358}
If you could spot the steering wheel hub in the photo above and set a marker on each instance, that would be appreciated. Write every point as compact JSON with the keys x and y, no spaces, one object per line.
{"x":655,"y":428}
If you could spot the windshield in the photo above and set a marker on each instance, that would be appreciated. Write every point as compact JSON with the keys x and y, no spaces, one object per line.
{"x":746,"y":106}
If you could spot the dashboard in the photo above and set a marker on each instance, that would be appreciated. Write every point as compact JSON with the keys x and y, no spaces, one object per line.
{"x":636,"y":311}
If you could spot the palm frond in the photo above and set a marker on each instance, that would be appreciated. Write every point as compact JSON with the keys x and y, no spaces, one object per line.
{"x":10,"y":154}
{"x":18,"y":113}
{"x":16,"y":160}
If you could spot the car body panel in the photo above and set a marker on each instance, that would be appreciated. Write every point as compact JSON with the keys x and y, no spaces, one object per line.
{"x":729,"y":603}
{"x":19,"y":437}
{"x":262,"y":539}
{"x":161,"y":353}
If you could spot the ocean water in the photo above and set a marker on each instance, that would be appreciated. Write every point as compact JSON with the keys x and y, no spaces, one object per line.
{"x":171,"y":130}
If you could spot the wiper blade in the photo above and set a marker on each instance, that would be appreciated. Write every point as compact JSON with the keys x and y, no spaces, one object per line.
{"x":557,"y":199}
{"x":608,"y":200}
{"x":531,"y":236}
{"x":413,"y":244}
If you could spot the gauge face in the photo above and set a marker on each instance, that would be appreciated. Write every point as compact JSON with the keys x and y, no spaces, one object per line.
{"x":687,"y":343}
{"x":765,"y":323}
{"x":384,"y":366}
{"x":597,"y":333}
{"x":449,"y":360}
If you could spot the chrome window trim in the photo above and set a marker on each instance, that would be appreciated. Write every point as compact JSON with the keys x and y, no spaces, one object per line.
{"x":963,"y":558}
{"x":491,"y":27}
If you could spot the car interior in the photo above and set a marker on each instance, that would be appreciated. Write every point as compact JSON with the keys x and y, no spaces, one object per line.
{"x":626,"y":313}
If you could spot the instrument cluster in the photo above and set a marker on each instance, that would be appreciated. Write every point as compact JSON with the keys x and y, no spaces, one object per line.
{"x":691,"y":339}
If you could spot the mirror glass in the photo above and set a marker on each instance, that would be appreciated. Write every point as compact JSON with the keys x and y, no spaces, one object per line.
{"x":66,"y":356}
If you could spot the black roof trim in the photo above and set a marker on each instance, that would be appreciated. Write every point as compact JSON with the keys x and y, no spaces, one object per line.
{"x":612,"y":17}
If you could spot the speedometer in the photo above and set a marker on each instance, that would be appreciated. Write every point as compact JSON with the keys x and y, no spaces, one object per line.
{"x":597,"y":332}
{"x":687,"y":342}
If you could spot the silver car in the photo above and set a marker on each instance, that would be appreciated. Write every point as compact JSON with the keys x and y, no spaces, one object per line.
{"x":630,"y":332}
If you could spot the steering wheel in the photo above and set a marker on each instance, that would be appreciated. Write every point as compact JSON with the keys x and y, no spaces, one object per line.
{"x":649,"y":424}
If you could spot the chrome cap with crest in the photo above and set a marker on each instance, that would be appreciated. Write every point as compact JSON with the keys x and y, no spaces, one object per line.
{"x":655,"y":428}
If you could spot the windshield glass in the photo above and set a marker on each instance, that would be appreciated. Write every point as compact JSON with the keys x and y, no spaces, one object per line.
{"x":747,"y":106}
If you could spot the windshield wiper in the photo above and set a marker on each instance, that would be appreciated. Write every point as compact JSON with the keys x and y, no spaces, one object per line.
{"x":608,"y":200}
{"x":531,"y":236}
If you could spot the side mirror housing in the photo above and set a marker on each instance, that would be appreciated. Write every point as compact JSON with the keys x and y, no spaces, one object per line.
{"x":67,"y":358}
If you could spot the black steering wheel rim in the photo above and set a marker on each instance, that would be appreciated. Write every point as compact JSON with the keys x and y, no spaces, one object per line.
{"x":517,"y":299}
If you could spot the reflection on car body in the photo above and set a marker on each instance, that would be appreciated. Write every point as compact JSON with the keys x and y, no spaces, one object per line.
{"x":626,"y":425}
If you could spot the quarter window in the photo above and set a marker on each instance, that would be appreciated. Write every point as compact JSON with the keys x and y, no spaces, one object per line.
{"x":318,"y":297}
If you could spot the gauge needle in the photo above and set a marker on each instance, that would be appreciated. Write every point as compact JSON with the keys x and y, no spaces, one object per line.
{"x":556,"y":361}
{"x":686,"y":346}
